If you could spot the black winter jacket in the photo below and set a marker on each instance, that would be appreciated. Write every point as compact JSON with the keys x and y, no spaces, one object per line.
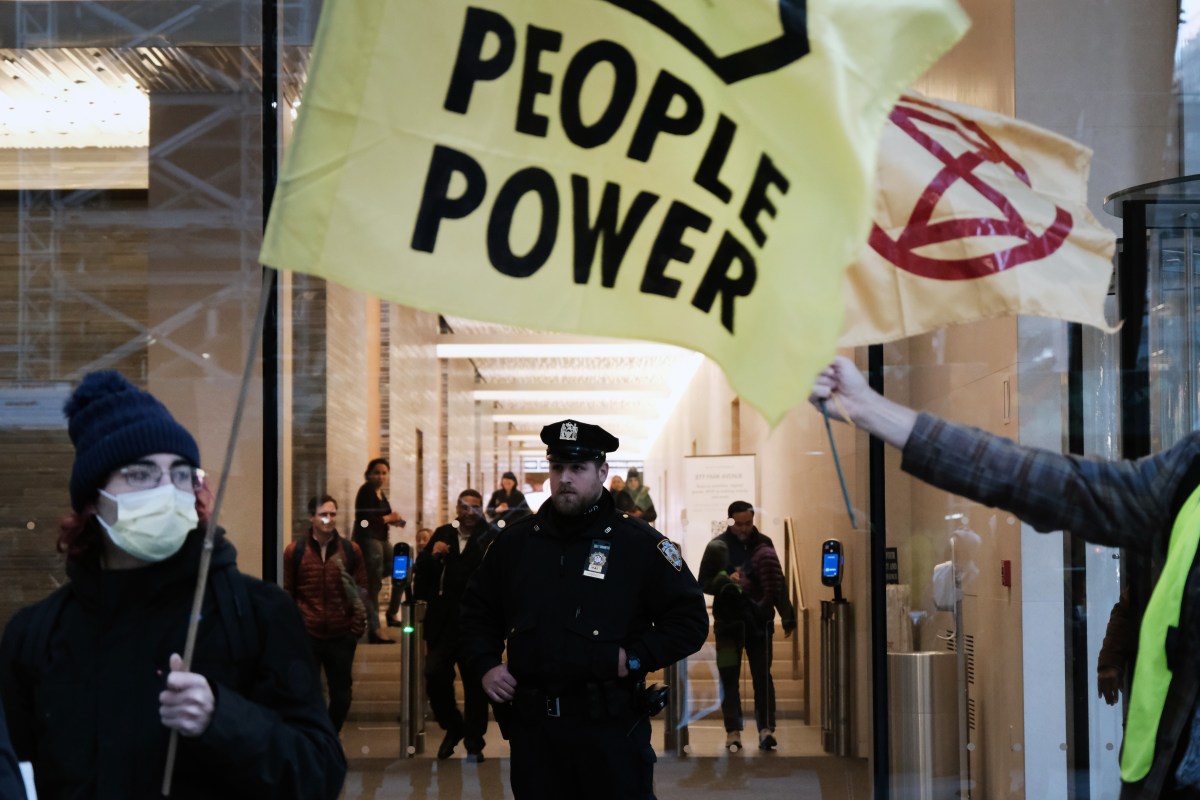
{"x":726,"y":553}
{"x":86,"y":710}
{"x":563,"y":628}
{"x":440,"y":582}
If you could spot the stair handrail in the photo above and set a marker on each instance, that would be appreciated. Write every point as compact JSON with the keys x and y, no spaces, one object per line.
{"x":795,"y":582}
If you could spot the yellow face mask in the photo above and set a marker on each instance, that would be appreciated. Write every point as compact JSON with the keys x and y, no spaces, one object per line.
{"x":151,"y":525}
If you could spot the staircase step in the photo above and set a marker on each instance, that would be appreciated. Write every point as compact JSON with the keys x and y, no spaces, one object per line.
{"x":390,"y":690}
{"x":364,"y":709}
{"x":377,"y":671}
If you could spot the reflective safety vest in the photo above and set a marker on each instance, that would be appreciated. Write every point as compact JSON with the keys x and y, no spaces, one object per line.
{"x":1151,"y":677}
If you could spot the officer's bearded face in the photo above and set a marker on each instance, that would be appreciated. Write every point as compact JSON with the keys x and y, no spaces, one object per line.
{"x":575,"y":486}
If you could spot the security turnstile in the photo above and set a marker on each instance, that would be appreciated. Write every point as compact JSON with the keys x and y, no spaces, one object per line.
{"x":836,"y":661}
{"x":675,"y":730}
{"x":412,"y":685}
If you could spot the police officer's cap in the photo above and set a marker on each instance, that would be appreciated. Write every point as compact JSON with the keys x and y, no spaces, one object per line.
{"x":570,"y":440}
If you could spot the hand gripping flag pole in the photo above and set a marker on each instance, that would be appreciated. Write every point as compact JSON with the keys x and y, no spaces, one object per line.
{"x":837,"y":461}
{"x":211,"y":530}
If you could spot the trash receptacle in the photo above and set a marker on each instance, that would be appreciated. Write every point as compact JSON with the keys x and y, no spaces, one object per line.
{"x":923,"y":725}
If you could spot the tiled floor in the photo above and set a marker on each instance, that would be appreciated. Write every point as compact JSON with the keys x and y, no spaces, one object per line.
{"x":798,"y":769}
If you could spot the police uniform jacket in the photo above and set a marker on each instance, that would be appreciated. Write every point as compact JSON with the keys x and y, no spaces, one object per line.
{"x":562,"y":628}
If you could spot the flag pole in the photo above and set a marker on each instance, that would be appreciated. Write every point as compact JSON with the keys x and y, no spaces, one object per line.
{"x":268,"y":278}
{"x":837,"y":462}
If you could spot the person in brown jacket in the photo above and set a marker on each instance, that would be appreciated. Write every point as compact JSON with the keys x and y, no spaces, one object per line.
{"x":328,"y":581}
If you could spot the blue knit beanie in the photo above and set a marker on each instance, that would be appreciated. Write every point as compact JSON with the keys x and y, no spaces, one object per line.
{"x":113,"y":423}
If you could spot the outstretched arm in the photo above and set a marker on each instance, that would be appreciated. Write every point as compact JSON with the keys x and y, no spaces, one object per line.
{"x":1115,"y":503}
{"x":869,"y":410}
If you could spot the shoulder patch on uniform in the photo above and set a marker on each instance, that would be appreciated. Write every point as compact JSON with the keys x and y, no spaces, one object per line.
{"x":671,"y":553}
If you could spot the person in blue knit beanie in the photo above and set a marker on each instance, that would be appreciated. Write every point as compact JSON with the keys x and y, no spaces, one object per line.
{"x":91,"y":677}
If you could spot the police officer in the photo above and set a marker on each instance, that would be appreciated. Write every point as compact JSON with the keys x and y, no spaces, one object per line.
{"x":586,"y":600}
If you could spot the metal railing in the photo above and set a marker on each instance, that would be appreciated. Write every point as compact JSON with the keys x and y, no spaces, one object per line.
{"x":795,"y":583}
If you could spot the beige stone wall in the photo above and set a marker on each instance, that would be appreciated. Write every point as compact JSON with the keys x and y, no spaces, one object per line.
{"x":349,"y":441}
{"x":796,"y":479}
{"x":414,"y":407}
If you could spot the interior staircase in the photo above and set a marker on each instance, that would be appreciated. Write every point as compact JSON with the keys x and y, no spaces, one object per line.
{"x":377,"y":669}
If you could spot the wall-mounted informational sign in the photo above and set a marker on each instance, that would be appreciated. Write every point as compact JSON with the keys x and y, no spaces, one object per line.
{"x":891,"y":565}
{"x":712,"y":483}
{"x":33,"y":405}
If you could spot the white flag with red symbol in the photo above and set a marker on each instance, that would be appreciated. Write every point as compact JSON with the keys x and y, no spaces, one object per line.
{"x":977,"y":215}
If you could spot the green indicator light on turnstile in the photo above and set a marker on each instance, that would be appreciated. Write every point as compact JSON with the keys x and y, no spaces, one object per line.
{"x":407,"y":629}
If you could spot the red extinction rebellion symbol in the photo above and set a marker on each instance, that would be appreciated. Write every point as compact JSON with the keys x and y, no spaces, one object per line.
{"x":978,"y":149}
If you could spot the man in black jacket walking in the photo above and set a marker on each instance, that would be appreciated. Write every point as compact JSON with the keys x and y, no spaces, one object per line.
{"x":746,"y":578}
{"x":440,"y":577}
{"x":586,"y":600}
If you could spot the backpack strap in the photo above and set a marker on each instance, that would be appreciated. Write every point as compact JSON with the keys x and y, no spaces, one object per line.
{"x":297,"y":557}
{"x":348,"y":555}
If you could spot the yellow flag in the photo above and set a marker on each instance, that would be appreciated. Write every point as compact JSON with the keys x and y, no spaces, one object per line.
{"x":693,"y":173}
{"x":977,"y":215}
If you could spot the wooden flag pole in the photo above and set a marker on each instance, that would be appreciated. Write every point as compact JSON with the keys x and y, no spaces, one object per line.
{"x":211,"y":530}
{"x":837,"y":462}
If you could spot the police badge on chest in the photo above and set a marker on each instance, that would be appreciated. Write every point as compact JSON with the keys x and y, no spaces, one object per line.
{"x":597,"y":560}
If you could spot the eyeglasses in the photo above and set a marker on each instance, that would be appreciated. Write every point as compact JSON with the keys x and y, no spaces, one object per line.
{"x":148,"y":476}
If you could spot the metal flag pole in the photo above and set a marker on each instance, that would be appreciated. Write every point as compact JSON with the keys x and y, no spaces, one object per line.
{"x":211,"y":530}
{"x":837,"y":462}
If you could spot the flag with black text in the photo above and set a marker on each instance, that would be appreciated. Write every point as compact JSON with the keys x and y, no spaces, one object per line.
{"x":693,"y":173}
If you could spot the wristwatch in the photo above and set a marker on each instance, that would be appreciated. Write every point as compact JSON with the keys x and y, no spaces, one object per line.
{"x":633,"y":663}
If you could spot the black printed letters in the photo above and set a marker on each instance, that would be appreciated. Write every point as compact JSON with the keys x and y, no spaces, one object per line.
{"x":551,"y":77}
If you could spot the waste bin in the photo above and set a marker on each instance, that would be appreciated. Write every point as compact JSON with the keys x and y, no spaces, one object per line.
{"x":923,"y":710}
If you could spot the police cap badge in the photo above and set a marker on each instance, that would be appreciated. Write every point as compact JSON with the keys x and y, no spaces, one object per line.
{"x":570,"y":440}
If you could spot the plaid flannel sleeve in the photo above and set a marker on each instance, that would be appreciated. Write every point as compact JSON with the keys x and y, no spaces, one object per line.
{"x":1114,"y":503}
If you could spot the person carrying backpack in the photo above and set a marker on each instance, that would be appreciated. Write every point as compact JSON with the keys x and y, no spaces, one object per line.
{"x":741,"y":570}
{"x":91,"y":677}
{"x":328,"y":581}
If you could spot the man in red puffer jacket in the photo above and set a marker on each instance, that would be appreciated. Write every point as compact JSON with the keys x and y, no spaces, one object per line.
{"x":329,"y":583}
